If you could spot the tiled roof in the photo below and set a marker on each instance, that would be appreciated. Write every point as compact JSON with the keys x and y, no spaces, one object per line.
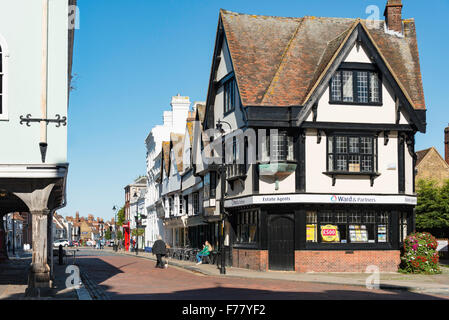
{"x":178,"y":148}
{"x":278,"y":60}
{"x":420,"y":155}
{"x":166,"y":155}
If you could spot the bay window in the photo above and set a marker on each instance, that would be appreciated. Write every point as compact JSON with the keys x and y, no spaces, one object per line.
{"x":347,"y":153}
{"x":356,"y":87}
{"x":278,"y":147}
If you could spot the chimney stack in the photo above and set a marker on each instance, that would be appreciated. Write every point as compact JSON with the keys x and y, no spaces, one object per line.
{"x":393,"y":15}
{"x":77,"y":216}
{"x":446,"y":144}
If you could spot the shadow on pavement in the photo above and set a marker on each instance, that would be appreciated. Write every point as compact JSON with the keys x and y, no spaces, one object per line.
{"x":232,"y":294}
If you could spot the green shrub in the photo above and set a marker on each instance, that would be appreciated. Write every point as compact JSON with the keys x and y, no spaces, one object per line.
{"x":420,"y":255}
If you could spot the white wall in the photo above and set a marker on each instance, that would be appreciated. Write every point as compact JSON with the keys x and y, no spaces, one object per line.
{"x":359,"y":113}
{"x":317,"y":182}
{"x":21,"y":28}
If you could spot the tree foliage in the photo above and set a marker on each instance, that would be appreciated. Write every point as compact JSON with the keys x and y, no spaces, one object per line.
{"x":121,"y":217}
{"x":432,"y":211}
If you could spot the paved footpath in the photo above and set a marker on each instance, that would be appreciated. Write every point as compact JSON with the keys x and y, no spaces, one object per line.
{"x":14,"y":278}
{"x":124,"y":276}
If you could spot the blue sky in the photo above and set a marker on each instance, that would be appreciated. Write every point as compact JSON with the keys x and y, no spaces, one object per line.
{"x":132,"y":56}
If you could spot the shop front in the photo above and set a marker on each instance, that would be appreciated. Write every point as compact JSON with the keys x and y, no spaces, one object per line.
{"x":340,"y":233}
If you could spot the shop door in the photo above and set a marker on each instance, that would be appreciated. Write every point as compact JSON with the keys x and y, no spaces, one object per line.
{"x":281,"y":243}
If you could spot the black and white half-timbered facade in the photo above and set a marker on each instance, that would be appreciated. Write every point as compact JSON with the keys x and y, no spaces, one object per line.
{"x":319,"y":117}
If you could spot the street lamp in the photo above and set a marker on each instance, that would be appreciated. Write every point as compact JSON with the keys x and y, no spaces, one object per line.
{"x":114,"y":209}
{"x":222,"y":172}
{"x":137,"y":223}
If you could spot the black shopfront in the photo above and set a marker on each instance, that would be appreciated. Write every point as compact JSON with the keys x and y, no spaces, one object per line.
{"x":283,"y":229}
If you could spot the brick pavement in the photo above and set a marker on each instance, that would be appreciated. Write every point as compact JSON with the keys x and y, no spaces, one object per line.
{"x":433,"y":284}
{"x":124,"y":276}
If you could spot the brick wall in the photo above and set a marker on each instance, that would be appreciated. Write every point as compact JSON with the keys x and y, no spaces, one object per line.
{"x":250,"y":259}
{"x":340,"y":261}
{"x":322,"y":261}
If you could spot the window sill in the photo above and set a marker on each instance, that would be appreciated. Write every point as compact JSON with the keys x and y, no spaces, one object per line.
{"x":376,"y":104}
{"x":334,"y":175}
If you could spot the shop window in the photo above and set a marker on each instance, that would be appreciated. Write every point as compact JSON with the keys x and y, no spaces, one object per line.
{"x":402,"y":226}
{"x":347,"y":227}
{"x":247,"y":226}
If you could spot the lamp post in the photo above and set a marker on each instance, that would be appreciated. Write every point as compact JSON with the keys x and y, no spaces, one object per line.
{"x":137,"y":223}
{"x":222,"y":172}
{"x":114,"y":209}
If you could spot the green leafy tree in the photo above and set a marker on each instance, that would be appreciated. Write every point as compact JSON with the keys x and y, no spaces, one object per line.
{"x":140,"y":232}
{"x":119,"y":235}
{"x":432,"y":211}
{"x":121,"y":217}
{"x":107,"y":234}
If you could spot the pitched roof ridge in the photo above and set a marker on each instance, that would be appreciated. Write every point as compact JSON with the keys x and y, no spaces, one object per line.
{"x":224,"y":11}
{"x":427,"y":154}
{"x":393,"y":73}
{"x":282,"y":61}
{"x":337,"y":52}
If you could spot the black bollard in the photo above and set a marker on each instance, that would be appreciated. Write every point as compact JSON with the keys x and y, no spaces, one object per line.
{"x":60,"y":255}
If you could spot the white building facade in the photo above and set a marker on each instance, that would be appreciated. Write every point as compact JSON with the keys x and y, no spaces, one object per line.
{"x":174,"y":121}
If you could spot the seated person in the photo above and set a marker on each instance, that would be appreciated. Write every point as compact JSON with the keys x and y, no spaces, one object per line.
{"x":207,"y":248}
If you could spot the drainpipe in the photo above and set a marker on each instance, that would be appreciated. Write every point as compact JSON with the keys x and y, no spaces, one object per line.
{"x":43,"y":139}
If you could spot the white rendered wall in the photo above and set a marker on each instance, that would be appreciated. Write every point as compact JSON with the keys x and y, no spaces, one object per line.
{"x":21,"y":28}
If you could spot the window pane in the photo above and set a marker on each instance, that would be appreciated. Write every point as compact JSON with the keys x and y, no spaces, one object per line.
{"x":342,"y":162}
{"x":367,"y":164}
{"x":366,"y":145}
{"x":348,"y":93}
{"x":374,"y":89}
{"x":336,"y":87}
{"x":353,"y":145}
{"x":362,"y":86}
{"x":341,"y":145}
{"x":311,"y":228}
{"x":354,"y":163}
{"x":331,"y":163}
{"x":330,"y":144}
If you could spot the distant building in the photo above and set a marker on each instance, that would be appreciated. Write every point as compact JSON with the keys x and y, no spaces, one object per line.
{"x":431,"y":165}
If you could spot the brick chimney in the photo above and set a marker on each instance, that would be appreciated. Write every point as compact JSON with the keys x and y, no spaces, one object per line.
{"x":446,"y":144}
{"x":77,"y":216}
{"x":393,"y":15}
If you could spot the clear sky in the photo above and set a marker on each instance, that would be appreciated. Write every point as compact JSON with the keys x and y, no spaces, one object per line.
{"x":132,"y":56}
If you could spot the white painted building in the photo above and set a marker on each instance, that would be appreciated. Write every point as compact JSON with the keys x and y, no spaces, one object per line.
{"x":174,"y":121}
{"x":36,"y":48}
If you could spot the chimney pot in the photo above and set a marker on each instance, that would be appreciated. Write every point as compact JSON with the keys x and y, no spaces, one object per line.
{"x":393,"y":15}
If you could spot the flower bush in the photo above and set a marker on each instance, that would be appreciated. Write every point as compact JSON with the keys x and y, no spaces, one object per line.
{"x":420,"y":255}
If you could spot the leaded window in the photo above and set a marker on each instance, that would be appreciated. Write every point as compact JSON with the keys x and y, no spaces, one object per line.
{"x":355,"y":87}
{"x":352,"y":154}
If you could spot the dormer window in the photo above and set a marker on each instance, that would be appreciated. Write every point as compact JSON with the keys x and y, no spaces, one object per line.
{"x":360,"y":86}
